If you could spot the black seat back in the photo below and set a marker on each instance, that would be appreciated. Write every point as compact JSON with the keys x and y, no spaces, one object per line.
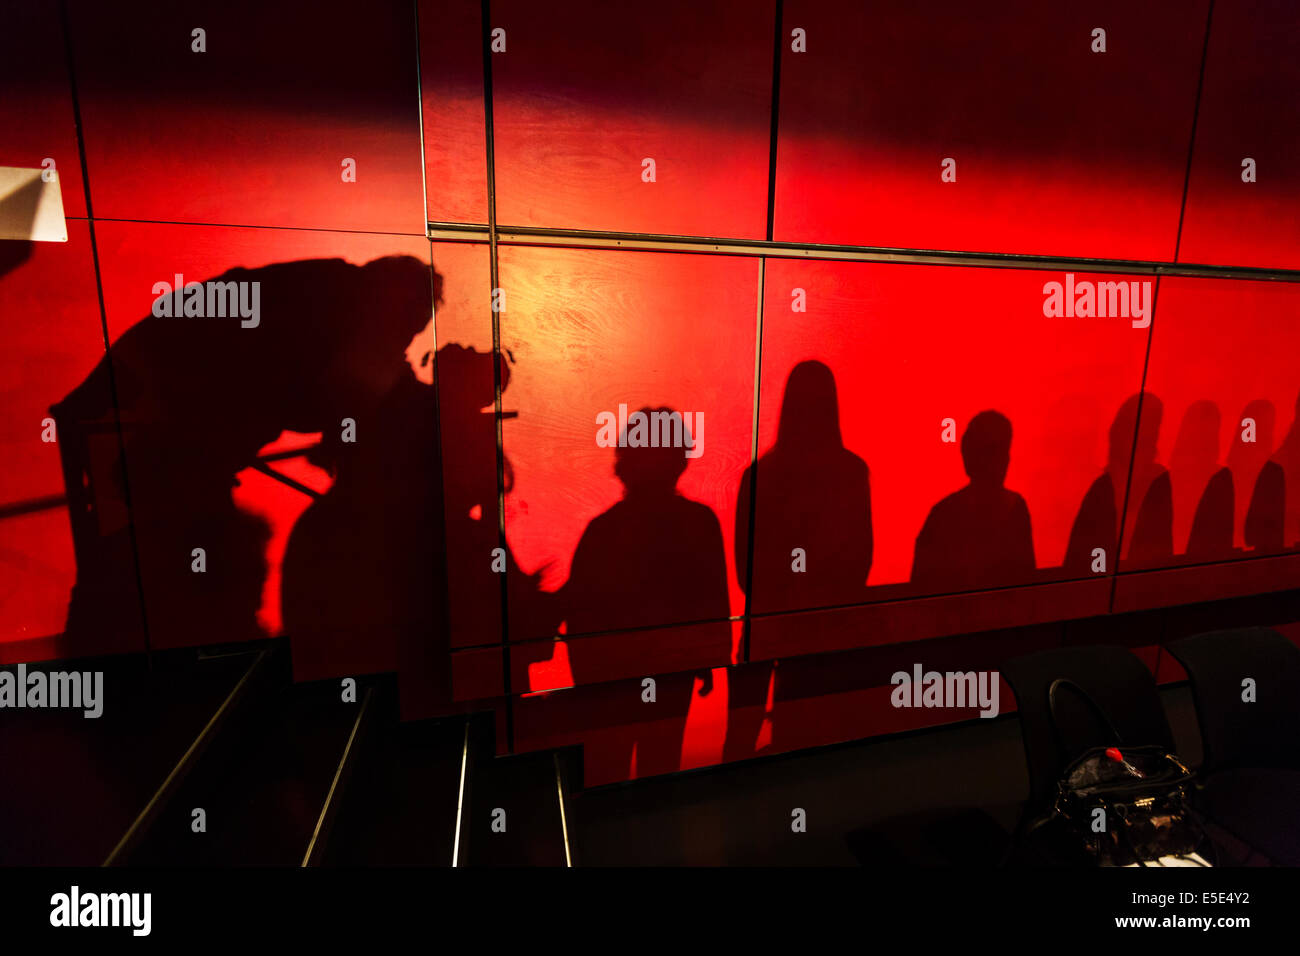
{"x":1238,"y":733}
{"x":1118,"y":683}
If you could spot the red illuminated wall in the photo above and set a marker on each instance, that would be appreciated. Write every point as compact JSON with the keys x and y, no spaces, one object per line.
{"x":910,"y":355}
{"x":581,"y":102}
{"x":900,"y":461}
{"x":254,"y":130}
{"x":591,"y":331}
{"x":52,"y":331}
{"x":36,"y":112}
{"x":1054,"y":153}
{"x":49,"y":317}
{"x":1223,"y":399}
{"x":1248,"y":111}
{"x":451,"y":94}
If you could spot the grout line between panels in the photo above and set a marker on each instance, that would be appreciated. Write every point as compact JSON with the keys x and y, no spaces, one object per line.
{"x":656,"y":242}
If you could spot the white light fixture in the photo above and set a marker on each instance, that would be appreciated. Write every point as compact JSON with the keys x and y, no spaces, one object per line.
{"x":31,"y":205}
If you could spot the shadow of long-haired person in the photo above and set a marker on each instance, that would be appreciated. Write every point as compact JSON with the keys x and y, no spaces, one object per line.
{"x":1273,"y":523}
{"x":1148,"y":522}
{"x":1202,"y":489}
{"x":655,"y":557}
{"x":198,"y":398}
{"x":813,"y":535}
{"x":363,"y":567}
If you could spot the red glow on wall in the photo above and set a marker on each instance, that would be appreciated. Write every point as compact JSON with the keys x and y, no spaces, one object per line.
{"x":590,"y":332}
{"x":254,"y":130}
{"x":1224,"y":367}
{"x":451,"y":78}
{"x":50,"y":316}
{"x":36,"y":111}
{"x":909,"y":348}
{"x":1247,"y":111}
{"x":1054,"y":153}
{"x":581,"y":103}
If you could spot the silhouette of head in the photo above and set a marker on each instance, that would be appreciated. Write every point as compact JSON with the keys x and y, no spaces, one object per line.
{"x":399,"y":290}
{"x":810,"y":409}
{"x":1126,"y":421}
{"x":398,"y":304}
{"x":465,"y":378}
{"x":369,"y":317}
{"x":647,"y":470}
{"x":986,"y":448}
{"x":1197,"y":444}
{"x":1264,"y":415}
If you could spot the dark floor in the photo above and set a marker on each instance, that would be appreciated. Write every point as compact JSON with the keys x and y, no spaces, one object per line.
{"x":741,"y":814}
{"x":72,"y":786}
{"x":290,"y":773}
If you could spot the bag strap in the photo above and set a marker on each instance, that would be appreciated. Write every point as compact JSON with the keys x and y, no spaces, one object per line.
{"x":1127,"y":840}
{"x":1063,"y":682}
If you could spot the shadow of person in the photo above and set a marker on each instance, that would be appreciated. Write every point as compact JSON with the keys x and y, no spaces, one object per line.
{"x":13,"y":253}
{"x":1265,"y":521}
{"x":815,"y":517}
{"x":1149,"y":515}
{"x":1201,"y":489}
{"x":1249,"y":451}
{"x":1273,"y":522}
{"x":816,"y":499}
{"x":466,"y":396}
{"x":979,"y":536}
{"x":1194,"y":459}
{"x":198,"y":397}
{"x":1211,"y":535}
{"x":364,"y":567}
{"x":655,"y":557}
